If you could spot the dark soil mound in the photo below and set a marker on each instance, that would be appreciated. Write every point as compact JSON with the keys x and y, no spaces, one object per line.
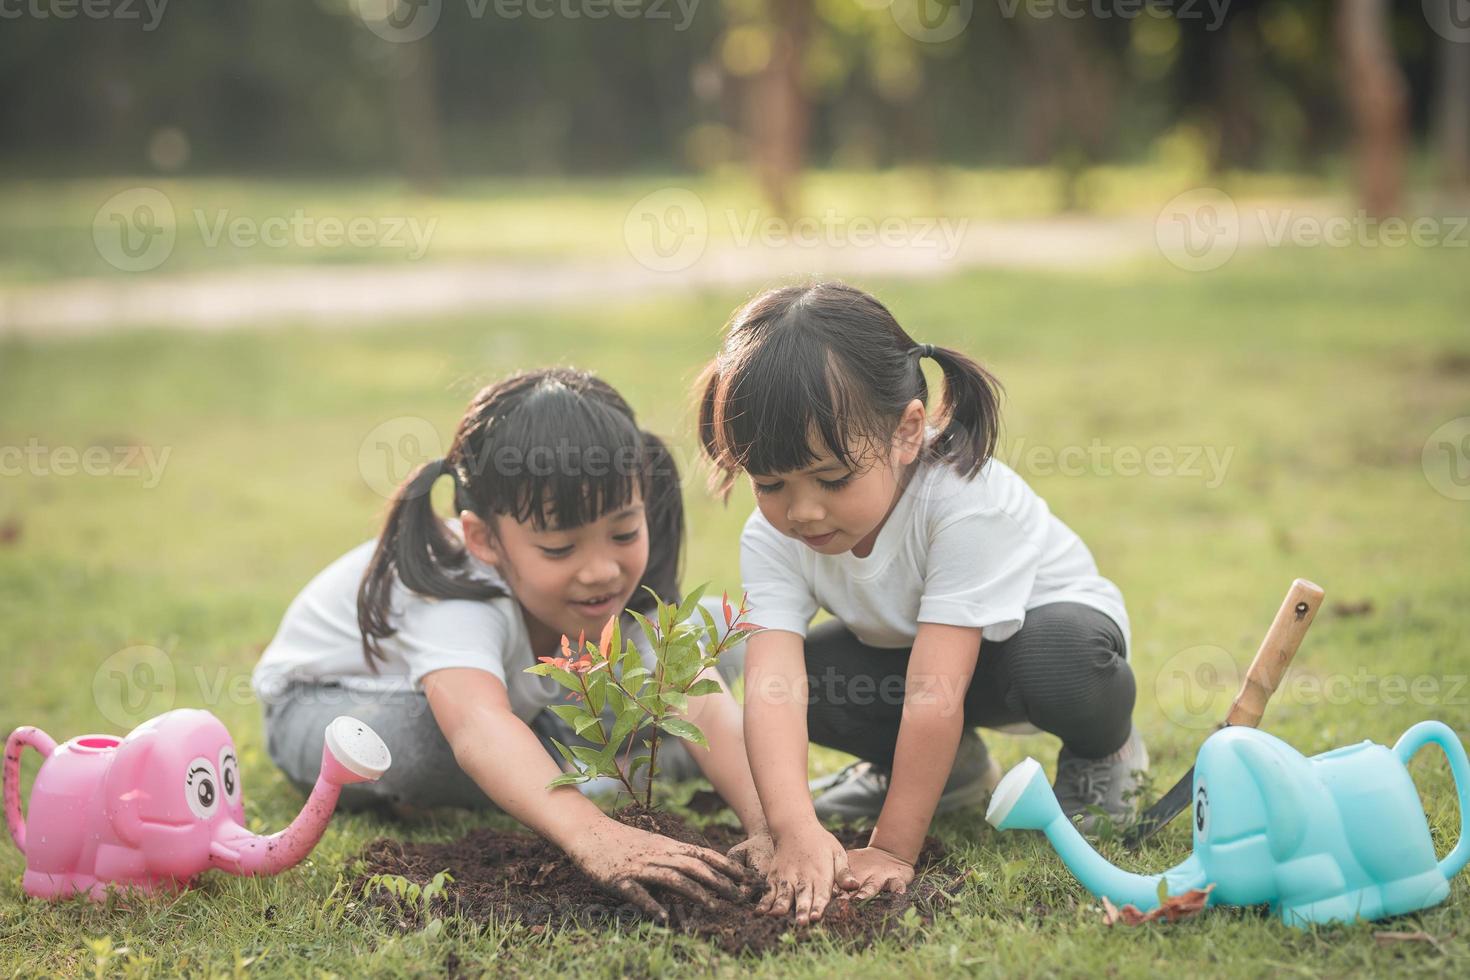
{"x":521,"y":877}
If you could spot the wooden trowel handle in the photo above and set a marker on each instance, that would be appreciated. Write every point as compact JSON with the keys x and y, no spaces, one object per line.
{"x":1297,"y":611}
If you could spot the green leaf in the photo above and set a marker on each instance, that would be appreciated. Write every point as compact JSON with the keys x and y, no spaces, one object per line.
{"x":639,"y":761}
{"x":597,"y":690}
{"x":623,"y":727}
{"x":566,"y":753}
{"x":563,"y":677}
{"x":586,"y":724}
{"x":711,"y":628}
{"x":1163,"y":890}
{"x":675,"y":699}
{"x":568,"y":779}
{"x":628,"y":657}
{"x":617,"y":701}
{"x":634,"y":677}
{"x":540,"y":670}
{"x":570,"y":713}
{"x":704,"y":686}
{"x":680,"y":728}
{"x":586,"y":754}
{"x":691,"y":601}
{"x":648,"y":628}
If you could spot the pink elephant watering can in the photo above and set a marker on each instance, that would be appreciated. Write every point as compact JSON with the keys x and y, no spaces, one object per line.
{"x":162,"y":806}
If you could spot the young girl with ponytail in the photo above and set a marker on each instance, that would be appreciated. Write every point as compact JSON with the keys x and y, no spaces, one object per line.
{"x":959,"y":600}
{"x":566,"y":511}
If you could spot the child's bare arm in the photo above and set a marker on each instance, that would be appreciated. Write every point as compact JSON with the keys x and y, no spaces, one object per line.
{"x":725,"y":763}
{"x":939,"y":672}
{"x":808,"y":859}
{"x":473,"y":711}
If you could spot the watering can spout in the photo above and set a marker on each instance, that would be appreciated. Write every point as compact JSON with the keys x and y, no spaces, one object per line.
{"x":1024,"y":801}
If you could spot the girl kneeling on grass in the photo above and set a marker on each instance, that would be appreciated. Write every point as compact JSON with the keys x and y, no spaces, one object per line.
{"x":921,"y":546}
{"x":566,"y":511}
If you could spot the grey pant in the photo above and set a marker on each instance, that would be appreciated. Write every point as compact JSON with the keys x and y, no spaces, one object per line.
{"x":1064,"y":672}
{"x":424,"y":772}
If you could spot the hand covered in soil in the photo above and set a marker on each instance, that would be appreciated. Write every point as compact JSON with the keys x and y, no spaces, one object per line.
{"x":803,"y":871}
{"x":756,"y":852}
{"x":625,"y":861}
{"x":878,"y":871}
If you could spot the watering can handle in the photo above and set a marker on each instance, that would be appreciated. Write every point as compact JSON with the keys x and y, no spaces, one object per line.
{"x":21,"y":739}
{"x":1454,"y":750}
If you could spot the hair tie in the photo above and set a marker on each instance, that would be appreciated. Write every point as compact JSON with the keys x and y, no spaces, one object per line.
{"x":923,"y":350}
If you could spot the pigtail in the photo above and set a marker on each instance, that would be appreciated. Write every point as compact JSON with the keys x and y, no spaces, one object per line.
{"x":663,"y":503}
{"x":417,"y":549}
{"x":723,"y":473}
{"x":970,"y":410}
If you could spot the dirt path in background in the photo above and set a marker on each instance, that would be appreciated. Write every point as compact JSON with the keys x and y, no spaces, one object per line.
{"x":348,"y":295}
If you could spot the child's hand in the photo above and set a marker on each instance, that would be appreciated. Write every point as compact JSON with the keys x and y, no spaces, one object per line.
{"x":878,"y":871}
{"x":756,"y":852}
{"x":625,"y":861}
{"x":803,"y":871}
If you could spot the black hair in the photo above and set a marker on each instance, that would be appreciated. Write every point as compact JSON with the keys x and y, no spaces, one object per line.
{"x":555,"y":447}
{"x":829,"y":359}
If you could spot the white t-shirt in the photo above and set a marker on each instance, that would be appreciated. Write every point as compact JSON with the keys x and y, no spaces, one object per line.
{"x":960,"y":552}
{"x":319,"y":639}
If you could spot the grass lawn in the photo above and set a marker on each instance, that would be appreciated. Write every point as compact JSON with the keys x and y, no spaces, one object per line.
{"x":49,"y":223}
{"x":1311,"y":378}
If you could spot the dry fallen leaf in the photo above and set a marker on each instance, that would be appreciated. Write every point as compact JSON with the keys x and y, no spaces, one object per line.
{"x":10,"y":532}
{"x":1173,"y":908}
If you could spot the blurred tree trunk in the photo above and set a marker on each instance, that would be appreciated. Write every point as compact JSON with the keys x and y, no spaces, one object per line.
{"x":1452,"y":106}
{"x":1238,"y":93}
{"x":1377,"y":98}
{"x":777,"y":115}
{"x":414,"y":108}
{"x":1070,"y":94}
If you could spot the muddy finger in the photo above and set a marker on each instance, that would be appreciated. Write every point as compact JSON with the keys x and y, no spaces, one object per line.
{"x":705,"y":875}
{"x":779,"y":899}
{"x":678,"y":883}
{"x":718,"y":861}
{"x":803,"y":902}
{"x":638,"y":896}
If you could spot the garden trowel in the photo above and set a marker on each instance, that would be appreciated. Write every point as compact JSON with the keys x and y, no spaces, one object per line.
{"x":1297,"y":611}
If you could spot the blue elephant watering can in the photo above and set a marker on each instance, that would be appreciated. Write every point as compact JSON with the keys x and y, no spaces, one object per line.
{"x":1334,"y":838}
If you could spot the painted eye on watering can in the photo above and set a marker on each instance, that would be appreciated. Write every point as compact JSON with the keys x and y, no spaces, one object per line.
{"x":229,"y":774}
{"x":1201,"y":812}
{"x":201,"y":788}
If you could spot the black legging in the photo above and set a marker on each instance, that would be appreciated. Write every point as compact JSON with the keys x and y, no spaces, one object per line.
{"x":1064,"y":671}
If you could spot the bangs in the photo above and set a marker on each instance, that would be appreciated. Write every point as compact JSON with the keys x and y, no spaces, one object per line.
{"x":784,"y":403}
{"x":560,"y":460}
